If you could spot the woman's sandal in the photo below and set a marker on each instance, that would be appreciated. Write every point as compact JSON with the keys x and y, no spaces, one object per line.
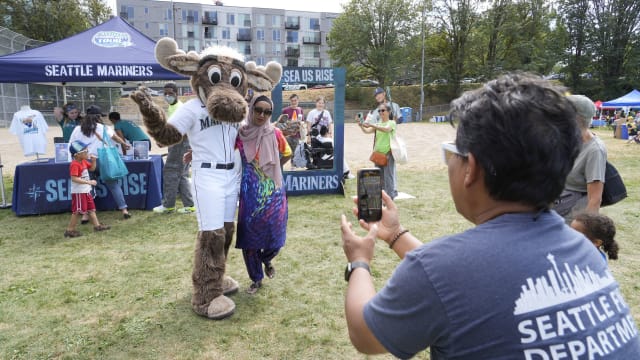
{"x":101,"y":227}
{"x":253,"y":288}
{"x":269,"y":270}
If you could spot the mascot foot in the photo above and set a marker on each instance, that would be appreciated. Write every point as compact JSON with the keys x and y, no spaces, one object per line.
{"x":229,"y":286}
{"x":220,"y":308}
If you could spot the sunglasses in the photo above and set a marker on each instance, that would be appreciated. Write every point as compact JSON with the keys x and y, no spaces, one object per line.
{"x":261,"y":111}
{"x":382,"y":110}
{"x":450,"y":150}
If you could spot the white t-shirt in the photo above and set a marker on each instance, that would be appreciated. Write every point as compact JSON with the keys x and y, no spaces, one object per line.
{"x":314,"y":115}
{"x":92,"y":141}
{"x":32,"y":136}
{"x":211,"y":140}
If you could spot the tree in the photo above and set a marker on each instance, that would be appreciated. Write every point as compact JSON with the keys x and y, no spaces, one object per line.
{"x":370,"y":34}
{"x":51,"y":20}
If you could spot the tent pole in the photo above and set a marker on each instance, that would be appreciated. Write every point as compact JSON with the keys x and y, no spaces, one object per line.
{"x":64,"y":93}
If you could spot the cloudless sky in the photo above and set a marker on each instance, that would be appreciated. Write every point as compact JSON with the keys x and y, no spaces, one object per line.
{"x":302,"y":5}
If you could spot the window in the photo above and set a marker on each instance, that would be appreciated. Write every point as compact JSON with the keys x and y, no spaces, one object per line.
{"x":231,"y":19}
{"x":146,"y":11}
{"x":314,"y":24}
{"x":260,"y":60}
{"x":276,"y":35}
{"x":210,"y":32}
{"x":276,"y":21}
{"x":146,"y":25}
{"x":163,"y":29}
{"x":168,"y":15}
{"x":261,"y":49}
{"x":260,"y":34}
{"x":126,"y":12}
{"x":226,"y":33}
{"x":244,"y":20}
{"x":277,"y":49}
{"x":260,"y":20}
{"x":292,"y":37}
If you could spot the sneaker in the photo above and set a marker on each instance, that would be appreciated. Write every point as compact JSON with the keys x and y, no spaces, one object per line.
{"x":269,"y":270}
{"x":161,"y":209}
{"x":72,"y":233}
{"x":253,"y":288}
{"x":186,"y":210}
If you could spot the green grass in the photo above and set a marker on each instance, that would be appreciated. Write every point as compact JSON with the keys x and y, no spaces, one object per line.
{"x":125,"y":293}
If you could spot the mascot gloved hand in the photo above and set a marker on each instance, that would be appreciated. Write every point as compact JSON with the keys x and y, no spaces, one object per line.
{"x":221,"y":79}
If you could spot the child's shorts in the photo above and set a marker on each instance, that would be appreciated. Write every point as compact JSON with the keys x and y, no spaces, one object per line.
{"x":81,"y":203}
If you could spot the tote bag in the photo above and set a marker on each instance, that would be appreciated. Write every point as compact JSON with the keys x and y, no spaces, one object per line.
{"x":110,"y":163}
{"x":399,"y":149}
{"x":614,"y":189}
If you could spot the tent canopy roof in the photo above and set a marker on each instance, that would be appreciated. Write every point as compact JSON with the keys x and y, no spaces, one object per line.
{"x":111,"y":51}
{"x":630,"y":99}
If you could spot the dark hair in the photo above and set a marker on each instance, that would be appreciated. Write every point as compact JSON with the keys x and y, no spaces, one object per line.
{"x":88,"y":125}
{"x":171,"y":85}
{"x":522,"y":131}
{"x":324,"y":130}
{"x":600,"y":227}
{"x":293,"y":96}
{"x":114,"y":115}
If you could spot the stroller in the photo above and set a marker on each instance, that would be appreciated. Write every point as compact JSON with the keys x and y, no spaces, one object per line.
{"x":320,"y":155}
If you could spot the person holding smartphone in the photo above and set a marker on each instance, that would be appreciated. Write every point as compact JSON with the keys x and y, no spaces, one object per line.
{"x":383,"y":131}
{"x":520,"y":283}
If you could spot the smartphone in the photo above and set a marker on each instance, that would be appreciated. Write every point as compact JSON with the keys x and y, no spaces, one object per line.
{"x":370,"y":194}
{"x":360,"y":118}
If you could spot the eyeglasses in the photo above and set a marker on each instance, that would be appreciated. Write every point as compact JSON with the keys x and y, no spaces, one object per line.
{"x":261,"y":111}
{"x":449,"y":150}
{"x":382,"y":110}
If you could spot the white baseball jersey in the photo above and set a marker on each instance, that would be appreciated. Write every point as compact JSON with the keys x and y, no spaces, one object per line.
{"x":213,"y":143}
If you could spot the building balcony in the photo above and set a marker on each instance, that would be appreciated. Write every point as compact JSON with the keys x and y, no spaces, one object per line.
{"x":292,"y":25}
{"x":292,"y":53}
{"x":312,"y":39}
{"x":210,"y":20}
{"x":243,"y":37}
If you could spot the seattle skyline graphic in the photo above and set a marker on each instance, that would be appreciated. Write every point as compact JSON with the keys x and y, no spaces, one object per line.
{"x":559,"y":287}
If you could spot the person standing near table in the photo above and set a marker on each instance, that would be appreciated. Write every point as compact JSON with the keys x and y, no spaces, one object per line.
{"x":90,"y":132}
{"x":518,"y":284}
{"x":175,"y":174}
{"x":128,"y":130}
{"x":68,"y":117}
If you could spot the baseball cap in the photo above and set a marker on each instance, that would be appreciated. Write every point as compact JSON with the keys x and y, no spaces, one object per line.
{"x":377,"y":91}
{"x":94,"y":110}
{"x":76,"y":146}
{"x":584,"y":106}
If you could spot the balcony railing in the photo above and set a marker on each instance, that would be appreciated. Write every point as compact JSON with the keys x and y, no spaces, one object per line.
{"x":210,"y":20}
{"x":244,"y":36}
{"x":293,"y":25}
{"x":312,"y":39}
{"x":292,"y":53}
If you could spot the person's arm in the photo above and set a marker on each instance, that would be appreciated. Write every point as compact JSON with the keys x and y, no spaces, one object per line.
{"x":594,"y":196}
{"x":58,"y":115}
{"x":360,"y":288}
{"x":385,"y":129}
{"x":283,"y":147}
{"x":120,"y":134}
{"x":120,"y":141}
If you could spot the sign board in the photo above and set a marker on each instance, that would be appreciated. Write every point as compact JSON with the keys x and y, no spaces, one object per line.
{"x":317,"y":181}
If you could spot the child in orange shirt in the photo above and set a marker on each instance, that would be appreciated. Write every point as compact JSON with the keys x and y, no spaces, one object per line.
{"x":81,"y":199}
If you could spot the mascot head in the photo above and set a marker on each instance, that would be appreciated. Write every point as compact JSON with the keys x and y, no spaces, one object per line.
{"x":219,"y":77}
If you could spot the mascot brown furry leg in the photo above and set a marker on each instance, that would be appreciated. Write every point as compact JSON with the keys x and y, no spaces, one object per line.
{"x":220,"y":79}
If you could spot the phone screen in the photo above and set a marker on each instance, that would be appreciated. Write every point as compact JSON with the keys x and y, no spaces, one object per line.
{"x":369,"y":194}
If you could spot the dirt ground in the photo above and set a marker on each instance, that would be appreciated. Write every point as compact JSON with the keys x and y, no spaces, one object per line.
{"x":423,"y":146}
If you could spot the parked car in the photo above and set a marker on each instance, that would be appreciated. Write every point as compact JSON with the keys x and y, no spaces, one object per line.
{"x":467,"y":80}
{"x":366,"y":82}
{"x":439,"y":82}
{"x":290,"y":87}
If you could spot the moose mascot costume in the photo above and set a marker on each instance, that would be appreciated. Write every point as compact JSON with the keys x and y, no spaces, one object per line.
{"x":221,"y":79}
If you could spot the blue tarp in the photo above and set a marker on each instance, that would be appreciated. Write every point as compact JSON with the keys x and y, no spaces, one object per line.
{"x":112,"y":51}
{"x":631,"y":99}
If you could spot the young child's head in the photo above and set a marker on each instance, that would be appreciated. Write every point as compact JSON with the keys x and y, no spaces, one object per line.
{"x":79,"y":150}
{"x":600,"y":229}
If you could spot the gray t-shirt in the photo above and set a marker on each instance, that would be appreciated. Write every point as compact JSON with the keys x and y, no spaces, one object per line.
{"x":521,"y":286}
{"x":589,"y":166}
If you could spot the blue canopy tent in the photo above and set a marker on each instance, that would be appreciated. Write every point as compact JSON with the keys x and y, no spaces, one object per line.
{"x":111,"y":51}
{"x":631,"y":99}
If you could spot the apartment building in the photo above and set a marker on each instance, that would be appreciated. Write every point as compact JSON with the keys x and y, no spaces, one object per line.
{"x":292,"y":38}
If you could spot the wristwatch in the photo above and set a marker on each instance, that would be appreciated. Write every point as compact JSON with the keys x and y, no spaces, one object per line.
{"x":352,"y":266}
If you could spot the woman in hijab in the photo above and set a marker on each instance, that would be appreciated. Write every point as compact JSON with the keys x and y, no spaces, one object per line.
{"x":262,"y":214}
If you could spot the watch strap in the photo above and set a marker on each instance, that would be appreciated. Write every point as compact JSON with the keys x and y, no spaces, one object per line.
{"x":354,"y":265}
